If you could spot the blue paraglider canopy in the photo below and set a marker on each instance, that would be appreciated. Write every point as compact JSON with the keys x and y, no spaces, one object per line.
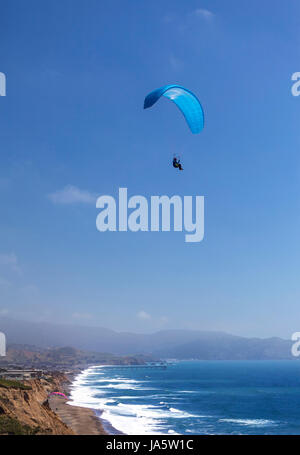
{"x":185,"y":100}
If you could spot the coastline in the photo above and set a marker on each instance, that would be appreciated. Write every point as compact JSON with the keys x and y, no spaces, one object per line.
{"x":82,"y":420}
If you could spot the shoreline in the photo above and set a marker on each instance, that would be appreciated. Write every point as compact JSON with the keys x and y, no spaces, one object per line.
{"x":82,"y":420}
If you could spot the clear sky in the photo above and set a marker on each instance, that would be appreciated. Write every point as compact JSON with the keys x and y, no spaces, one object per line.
{"x":77,"y":74}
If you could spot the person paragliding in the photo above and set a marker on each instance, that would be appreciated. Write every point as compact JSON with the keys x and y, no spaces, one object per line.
{"x":177,"y":164}
{"x":187,"y":103}
{"x":58,"y":394}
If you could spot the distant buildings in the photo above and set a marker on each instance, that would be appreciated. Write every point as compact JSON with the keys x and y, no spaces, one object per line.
{"x":20,"y":375}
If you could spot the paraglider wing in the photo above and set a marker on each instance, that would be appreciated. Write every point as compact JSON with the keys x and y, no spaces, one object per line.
{"x":58,"y":394}
{"x":185,"y":100}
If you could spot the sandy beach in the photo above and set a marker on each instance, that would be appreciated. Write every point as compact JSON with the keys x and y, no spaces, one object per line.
{"x":82,"y":421}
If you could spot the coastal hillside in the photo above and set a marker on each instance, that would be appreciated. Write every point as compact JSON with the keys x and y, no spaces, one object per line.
{"x":65,"y":358}
{"x":181,"y":344}
{"x":24,"y":407}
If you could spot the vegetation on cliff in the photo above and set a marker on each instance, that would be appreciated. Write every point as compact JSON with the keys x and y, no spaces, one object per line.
{"x":10,"y":426}
{"x":7,"y":384}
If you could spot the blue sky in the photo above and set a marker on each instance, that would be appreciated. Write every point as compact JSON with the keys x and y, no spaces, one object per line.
{"x":77,"y":74}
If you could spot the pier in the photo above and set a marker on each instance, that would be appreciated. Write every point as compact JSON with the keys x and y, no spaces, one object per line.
{"x":135,"y":367}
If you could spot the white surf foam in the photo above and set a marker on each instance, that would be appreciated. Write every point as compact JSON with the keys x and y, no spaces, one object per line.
{"x":132,"y":419}
{"x":249,"y":422}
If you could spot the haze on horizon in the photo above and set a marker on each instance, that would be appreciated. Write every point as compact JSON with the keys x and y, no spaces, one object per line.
{"x":73,"y":128}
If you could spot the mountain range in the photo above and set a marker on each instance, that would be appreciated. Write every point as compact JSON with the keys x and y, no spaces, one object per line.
{"x":175,"y":344}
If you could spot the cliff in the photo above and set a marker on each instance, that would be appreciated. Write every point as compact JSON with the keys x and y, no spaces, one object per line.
{"x":24,"y":407}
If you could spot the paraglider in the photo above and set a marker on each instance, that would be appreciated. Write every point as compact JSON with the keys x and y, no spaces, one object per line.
{"x":58,"y":394}
{"x":188,"y":104}
{"x":185,"y":100}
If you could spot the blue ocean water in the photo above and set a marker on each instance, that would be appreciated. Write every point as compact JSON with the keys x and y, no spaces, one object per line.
{"x":195,"y":397}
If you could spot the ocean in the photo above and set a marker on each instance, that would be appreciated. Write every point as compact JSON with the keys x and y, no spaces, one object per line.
{"x":195,"y":397}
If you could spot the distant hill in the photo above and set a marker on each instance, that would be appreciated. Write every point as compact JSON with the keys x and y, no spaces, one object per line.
{"x":181,"y":344}
{"x":220,"y":346}
{"x":63,"y":358}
